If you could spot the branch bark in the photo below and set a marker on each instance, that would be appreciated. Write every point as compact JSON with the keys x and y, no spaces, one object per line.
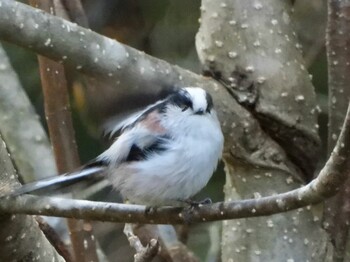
{"x":171,"y":249}
{"x":260,"y":65}
{"x":251,"y":48}
{"x":21,"y":128}
{"x":143,"y":253}
{"x":59,"y":121}
{"x":23,"y":133}
{"x":337,"y":210}
{"x":175,"y":249}
{"x":20,"y":237}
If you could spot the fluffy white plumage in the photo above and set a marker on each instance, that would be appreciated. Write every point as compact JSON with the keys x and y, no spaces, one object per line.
{"x":165,"y":153}
{"x":193,"y":146}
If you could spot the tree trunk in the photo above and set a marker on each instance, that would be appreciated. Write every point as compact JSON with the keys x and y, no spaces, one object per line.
{"x":260,"y":64}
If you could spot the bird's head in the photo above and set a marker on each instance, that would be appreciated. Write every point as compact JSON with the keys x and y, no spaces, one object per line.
{"x":192,"y":100}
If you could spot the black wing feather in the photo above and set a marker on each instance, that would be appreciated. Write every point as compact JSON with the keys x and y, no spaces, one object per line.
{"x":138,"y":154}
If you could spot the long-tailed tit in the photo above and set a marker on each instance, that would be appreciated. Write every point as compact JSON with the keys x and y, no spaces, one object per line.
{"x":164,"y":154}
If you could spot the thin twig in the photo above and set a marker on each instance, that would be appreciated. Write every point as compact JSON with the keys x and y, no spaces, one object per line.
{"x":175,"y":249}
{"x":54,"y":239}
{"x":143,"y":253}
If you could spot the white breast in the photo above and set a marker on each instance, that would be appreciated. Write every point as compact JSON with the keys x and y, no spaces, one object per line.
{"x":179,"y":172}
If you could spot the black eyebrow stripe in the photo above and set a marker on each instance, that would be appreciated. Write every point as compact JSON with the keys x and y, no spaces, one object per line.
{"x":181,"y":98}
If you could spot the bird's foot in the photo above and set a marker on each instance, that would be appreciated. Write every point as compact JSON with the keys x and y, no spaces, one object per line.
{"x":150,"y":210}
{"x":195,"y":204}
{"x":190,"y":209}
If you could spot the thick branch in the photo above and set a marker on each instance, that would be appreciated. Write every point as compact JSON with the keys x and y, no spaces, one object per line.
{"x":20,"y":236}
{"x":21,"y":128}
{"x":338,"y":29}
{"x":85,"y":50}
{"x":260,"y":66}
{"x":338,"y":55}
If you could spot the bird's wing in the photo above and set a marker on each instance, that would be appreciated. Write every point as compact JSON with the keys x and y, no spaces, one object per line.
{"x":128,"y":106}
{"x":122,"y":122}
{"x":114,"y":125}
{"x":140,"y":135}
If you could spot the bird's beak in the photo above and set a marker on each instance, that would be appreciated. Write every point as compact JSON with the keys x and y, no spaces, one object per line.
{"x":200,"y":112}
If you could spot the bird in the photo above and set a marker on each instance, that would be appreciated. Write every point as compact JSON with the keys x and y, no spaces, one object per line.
{"x":164,"y":154}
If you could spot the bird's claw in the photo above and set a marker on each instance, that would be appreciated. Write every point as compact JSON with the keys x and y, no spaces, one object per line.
{"x":192,"y":205}
{"x":195,"y":204}
{"x":150,"y":210}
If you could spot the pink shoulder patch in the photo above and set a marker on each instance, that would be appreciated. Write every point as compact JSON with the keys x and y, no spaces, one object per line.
{"x":152,"y":122}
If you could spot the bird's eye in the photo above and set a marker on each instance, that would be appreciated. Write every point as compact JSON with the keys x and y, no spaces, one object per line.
{"x":182,"y":100}
{"x":184,"y":107}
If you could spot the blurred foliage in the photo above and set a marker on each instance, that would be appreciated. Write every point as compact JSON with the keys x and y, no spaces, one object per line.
{"x":164,"y":29}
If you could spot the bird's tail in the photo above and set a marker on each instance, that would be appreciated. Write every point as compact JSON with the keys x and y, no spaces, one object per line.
{"x":91,"y":174}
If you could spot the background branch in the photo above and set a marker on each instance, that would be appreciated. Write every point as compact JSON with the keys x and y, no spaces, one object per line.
{"x":20,"y":235}
{"x":21,"y":129}
{"x":23,"y":133}
{"x":337,"y":210}
{"x":17,"y":243}
{"x":143,"y":253}
{"x":59,"y":121}
{"x":254,"y":64}
{"x":177,"y":250}
{"x":170,"y":247}
{"x":251,"y":48}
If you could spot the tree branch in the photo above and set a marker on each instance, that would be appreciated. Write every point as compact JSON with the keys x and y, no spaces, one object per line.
{"x":21,"y":129}
{"x":60,"y":124}
{"x":258,"y":63}
{"x":327,"y":184}
{"x":83,"y":49}
{"x":337,"y":211}
{"x":170,"y":244}
{"x":20,"y":236}
{"x":143,"y":253}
